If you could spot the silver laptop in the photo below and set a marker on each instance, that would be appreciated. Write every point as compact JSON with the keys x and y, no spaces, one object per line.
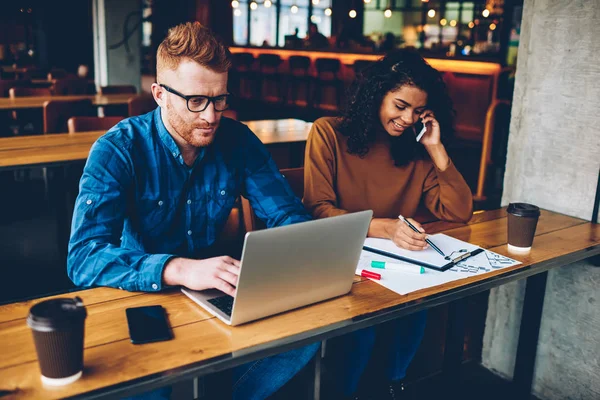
{"x":291,"y":266}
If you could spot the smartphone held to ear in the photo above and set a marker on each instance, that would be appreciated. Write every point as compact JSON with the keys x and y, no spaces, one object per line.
{"x":420,"y":129}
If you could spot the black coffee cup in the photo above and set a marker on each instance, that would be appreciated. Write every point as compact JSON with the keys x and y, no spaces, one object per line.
{"x":522,"y":221}
{"x":58,"y":328}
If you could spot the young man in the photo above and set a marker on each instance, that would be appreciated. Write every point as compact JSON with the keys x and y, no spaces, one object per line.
{"x":157,"y":190}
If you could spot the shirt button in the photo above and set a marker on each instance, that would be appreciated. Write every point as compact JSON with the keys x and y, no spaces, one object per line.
{"x":174,"y":154}
{"x":154,"y":286}
{"x":160,"y":203}
{"x":189,"y":233}
{"x":120,"y":288}
{"x":223,"y":193}
{"x":189,"y":202}
{"x":88,"y":202}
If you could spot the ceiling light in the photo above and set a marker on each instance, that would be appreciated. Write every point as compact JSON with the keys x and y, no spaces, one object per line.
{"x":431,"y":13}
{"x":352,"y":13}
{"x":387,"y":13}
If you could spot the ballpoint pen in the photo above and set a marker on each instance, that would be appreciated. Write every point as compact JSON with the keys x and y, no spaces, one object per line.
{"x":433,"y":246}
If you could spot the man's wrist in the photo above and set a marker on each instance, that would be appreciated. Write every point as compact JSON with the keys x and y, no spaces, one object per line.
{"x":173,"y":271}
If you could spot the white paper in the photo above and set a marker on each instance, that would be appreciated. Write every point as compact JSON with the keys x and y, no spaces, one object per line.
{"x":450,"y":246}
{"x":407,"y":282}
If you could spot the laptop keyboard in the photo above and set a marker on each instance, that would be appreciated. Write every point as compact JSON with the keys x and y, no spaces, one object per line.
{"x":223,"y":303}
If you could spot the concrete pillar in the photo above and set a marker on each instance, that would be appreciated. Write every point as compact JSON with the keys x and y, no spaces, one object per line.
{"x":553,"y":161}
{"x":120,"y":65}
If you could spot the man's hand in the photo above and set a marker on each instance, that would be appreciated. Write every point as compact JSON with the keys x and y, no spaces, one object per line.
{"x":218,"y":273}
{"x":404,"y":237}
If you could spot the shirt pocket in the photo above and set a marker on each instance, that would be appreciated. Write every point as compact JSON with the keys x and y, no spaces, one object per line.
{"x":221,"y":200}
{"x":155,"y":215}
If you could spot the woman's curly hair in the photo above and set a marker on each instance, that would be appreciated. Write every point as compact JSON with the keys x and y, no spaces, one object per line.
{"x":360,"y":120}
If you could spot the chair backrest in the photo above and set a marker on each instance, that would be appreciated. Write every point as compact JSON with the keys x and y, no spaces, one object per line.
{"x":233,"y":229}
{"x":327,"y":65}
{"x":269,"y":62}
{"x":5,"y":85}
{"x":140,"y":104}
{"x":86,"y":124}
{"x":117,"y":89}
{"x":23,"y":91}
{"x":360,"y":65}
{"x":70,"y":86}
{"x":229,"y":113}
{"x":57,"y":73}
{"x":57,"y":113}
{"x":295,"y":178}
{"x":242,"y":61}
{"x":301,"y":63}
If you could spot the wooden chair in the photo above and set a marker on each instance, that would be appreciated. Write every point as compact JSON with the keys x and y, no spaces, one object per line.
{"x":360,"y":65}
{"x":328,"y":77}
{"x":493,"y":152}
{"x":140,"y":104}
{"x":242,"y":77}
{"x":24,"y":91}
{"x":5,"y":85}
{"x":57,"y":73}
{"x":117,"y":89}
{"x":295,"y":178}
{"x":270,"y":78}
{"x":86,"y":124}
{"x":70,"y":86}
{"x":299,"y":79}
{"x":229,"y":113}
{"x":27,"y":122}
{"x":56,"y":113}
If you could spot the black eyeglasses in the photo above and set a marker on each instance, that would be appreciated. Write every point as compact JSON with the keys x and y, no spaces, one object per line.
{"x":199,"y":103}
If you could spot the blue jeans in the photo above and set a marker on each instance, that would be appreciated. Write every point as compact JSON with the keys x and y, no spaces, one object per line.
{"x":350,"y":363}
{"x":256,"y":380}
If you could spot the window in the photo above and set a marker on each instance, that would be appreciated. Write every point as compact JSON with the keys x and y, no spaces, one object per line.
{"x":294,"y":15}
{"x":263,"y":21}
{"x":319,"y":16}
{"x":240,"y":23}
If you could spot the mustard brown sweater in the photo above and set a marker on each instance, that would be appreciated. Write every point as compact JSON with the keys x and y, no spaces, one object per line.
{"x":337,"y":182}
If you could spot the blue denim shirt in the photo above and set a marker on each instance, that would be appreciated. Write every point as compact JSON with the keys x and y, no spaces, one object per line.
{"x":139,"y":204}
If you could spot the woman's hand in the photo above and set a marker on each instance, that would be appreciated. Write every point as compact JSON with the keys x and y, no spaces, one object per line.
{"x":432,"y":135}
{"x":403,"y":236}
{"x":432,"y":141}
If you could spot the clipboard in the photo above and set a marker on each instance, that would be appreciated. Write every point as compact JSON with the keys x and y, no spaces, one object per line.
{"x":453,"y":259}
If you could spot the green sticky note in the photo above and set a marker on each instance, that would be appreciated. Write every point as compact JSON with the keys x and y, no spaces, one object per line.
{"x":378,"y":264}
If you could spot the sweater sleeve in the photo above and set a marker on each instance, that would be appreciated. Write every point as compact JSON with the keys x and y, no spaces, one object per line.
{"x":447,"y":195}
{"x":320,"y":198}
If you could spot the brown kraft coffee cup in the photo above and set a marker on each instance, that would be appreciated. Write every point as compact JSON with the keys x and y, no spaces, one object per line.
{"x":522,"y":221}
{"x":58,"y":328}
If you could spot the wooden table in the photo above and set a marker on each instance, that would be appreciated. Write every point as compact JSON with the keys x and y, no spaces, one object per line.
{"x":46,"y":150}
{"x":202,"y":344}
{"x":38,"y":101}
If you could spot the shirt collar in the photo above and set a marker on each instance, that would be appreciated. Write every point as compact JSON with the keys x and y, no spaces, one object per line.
{"x":169,"y":142}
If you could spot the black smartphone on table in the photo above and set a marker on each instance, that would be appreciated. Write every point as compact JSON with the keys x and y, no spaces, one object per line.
{"x":148,"y":324}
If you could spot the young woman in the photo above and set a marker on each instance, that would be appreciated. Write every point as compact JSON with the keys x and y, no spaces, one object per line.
{"x":369,"y":158}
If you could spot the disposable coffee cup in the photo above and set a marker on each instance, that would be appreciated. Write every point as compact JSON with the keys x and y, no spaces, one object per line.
{"x":58,"y":328}
{"x":522,"y":221}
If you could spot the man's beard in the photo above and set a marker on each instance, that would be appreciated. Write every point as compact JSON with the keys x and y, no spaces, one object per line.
{"x":186,"y":130}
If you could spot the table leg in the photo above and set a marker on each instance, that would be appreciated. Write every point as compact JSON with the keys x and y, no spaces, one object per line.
{"x":59,"y":201}
{"x":531,"y":318}
{"x":455,"y":339}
